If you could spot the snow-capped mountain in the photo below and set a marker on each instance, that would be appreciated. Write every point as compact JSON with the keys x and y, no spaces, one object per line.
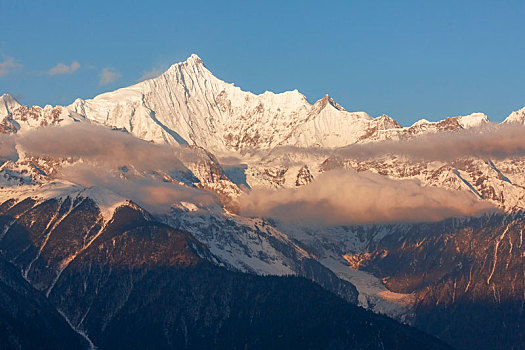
{"x":517,"y":117}
{"x":18,"y":118}
{"x":188,"y":105}
{"x":228,"y":142}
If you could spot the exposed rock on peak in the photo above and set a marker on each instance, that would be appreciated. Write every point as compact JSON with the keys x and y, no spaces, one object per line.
{"x":194,"y":58}
{"x":327,"y":100}
{"x":304,"y":176}
{"x":384,"y":122}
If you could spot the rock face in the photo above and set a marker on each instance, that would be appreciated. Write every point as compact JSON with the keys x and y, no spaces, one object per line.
{"x":130,"y":281}
{"x":15,"y":117}
{"x":463,"y":277}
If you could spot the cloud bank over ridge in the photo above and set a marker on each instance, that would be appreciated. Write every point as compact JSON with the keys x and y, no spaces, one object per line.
{"x":496,"y":142}
{"x":346,"y":197}
{"x":137,"y":169}
{"x":133,"y":168}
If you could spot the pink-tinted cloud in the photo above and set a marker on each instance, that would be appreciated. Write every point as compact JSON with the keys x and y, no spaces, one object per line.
{"x":152,"y":194}
{"x":344,"y":197}
{"x":8,"y":148}
{"x":99,"y":145}
{"x":334,"y":198}
{"x":99,"y":154}
{"x":495,"y":142}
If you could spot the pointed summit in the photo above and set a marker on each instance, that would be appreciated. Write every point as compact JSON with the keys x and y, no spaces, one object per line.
{"x":8,"y":104}
{"x":384,"y":122}
{"x":194,"y":59}
{"x":8,"y":98}
{"x":325,"y":101}
{"x":192,"y":64}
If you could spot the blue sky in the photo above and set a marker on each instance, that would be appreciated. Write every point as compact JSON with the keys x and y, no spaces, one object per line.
{"x":407,"y":59}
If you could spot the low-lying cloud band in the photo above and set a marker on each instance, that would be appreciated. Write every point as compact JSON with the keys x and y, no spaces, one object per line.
{"x":346,"y":197}
{"x":339,"y":197}
{"x":98,"y":156}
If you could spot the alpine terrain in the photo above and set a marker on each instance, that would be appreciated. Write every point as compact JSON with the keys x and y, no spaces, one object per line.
{"x":183,"y":212}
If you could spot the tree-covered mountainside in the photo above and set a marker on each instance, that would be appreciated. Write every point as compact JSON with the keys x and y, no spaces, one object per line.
{"x":134,"y":283}
{"x":27,"y":319}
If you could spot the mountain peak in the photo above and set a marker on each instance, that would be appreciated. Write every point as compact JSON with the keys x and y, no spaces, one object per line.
{"x":8,"y":103}
{"x":194,"y":59}
{"x":327,"y":100}
{"x":421,"y":122}
{"x":516,"y":117}
{"x":472,"y":120}
{"x":385,"y":122}
{"x":463,"y":121}
{"x":191,"y":64}
{"x":8,"y":98}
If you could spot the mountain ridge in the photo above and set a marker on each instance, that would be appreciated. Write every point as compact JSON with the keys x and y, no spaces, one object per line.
{"x":187,"y":105}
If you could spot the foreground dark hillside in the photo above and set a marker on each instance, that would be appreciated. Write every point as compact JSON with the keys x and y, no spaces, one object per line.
{"x":134,"y":283}
{"x":203,"y":307}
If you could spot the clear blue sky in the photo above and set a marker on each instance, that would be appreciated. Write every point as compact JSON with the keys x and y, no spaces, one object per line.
{"x":407,"y":59}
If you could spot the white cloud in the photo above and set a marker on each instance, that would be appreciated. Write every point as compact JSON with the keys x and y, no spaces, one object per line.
{"x":8,"y":66}
{"x":62,"y":68}
{"x":493,"y":141}
{"x":155,"y":72}
{"x":345,"y":197}
{"x":104,"y":153}
{"x":107,"y":76}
